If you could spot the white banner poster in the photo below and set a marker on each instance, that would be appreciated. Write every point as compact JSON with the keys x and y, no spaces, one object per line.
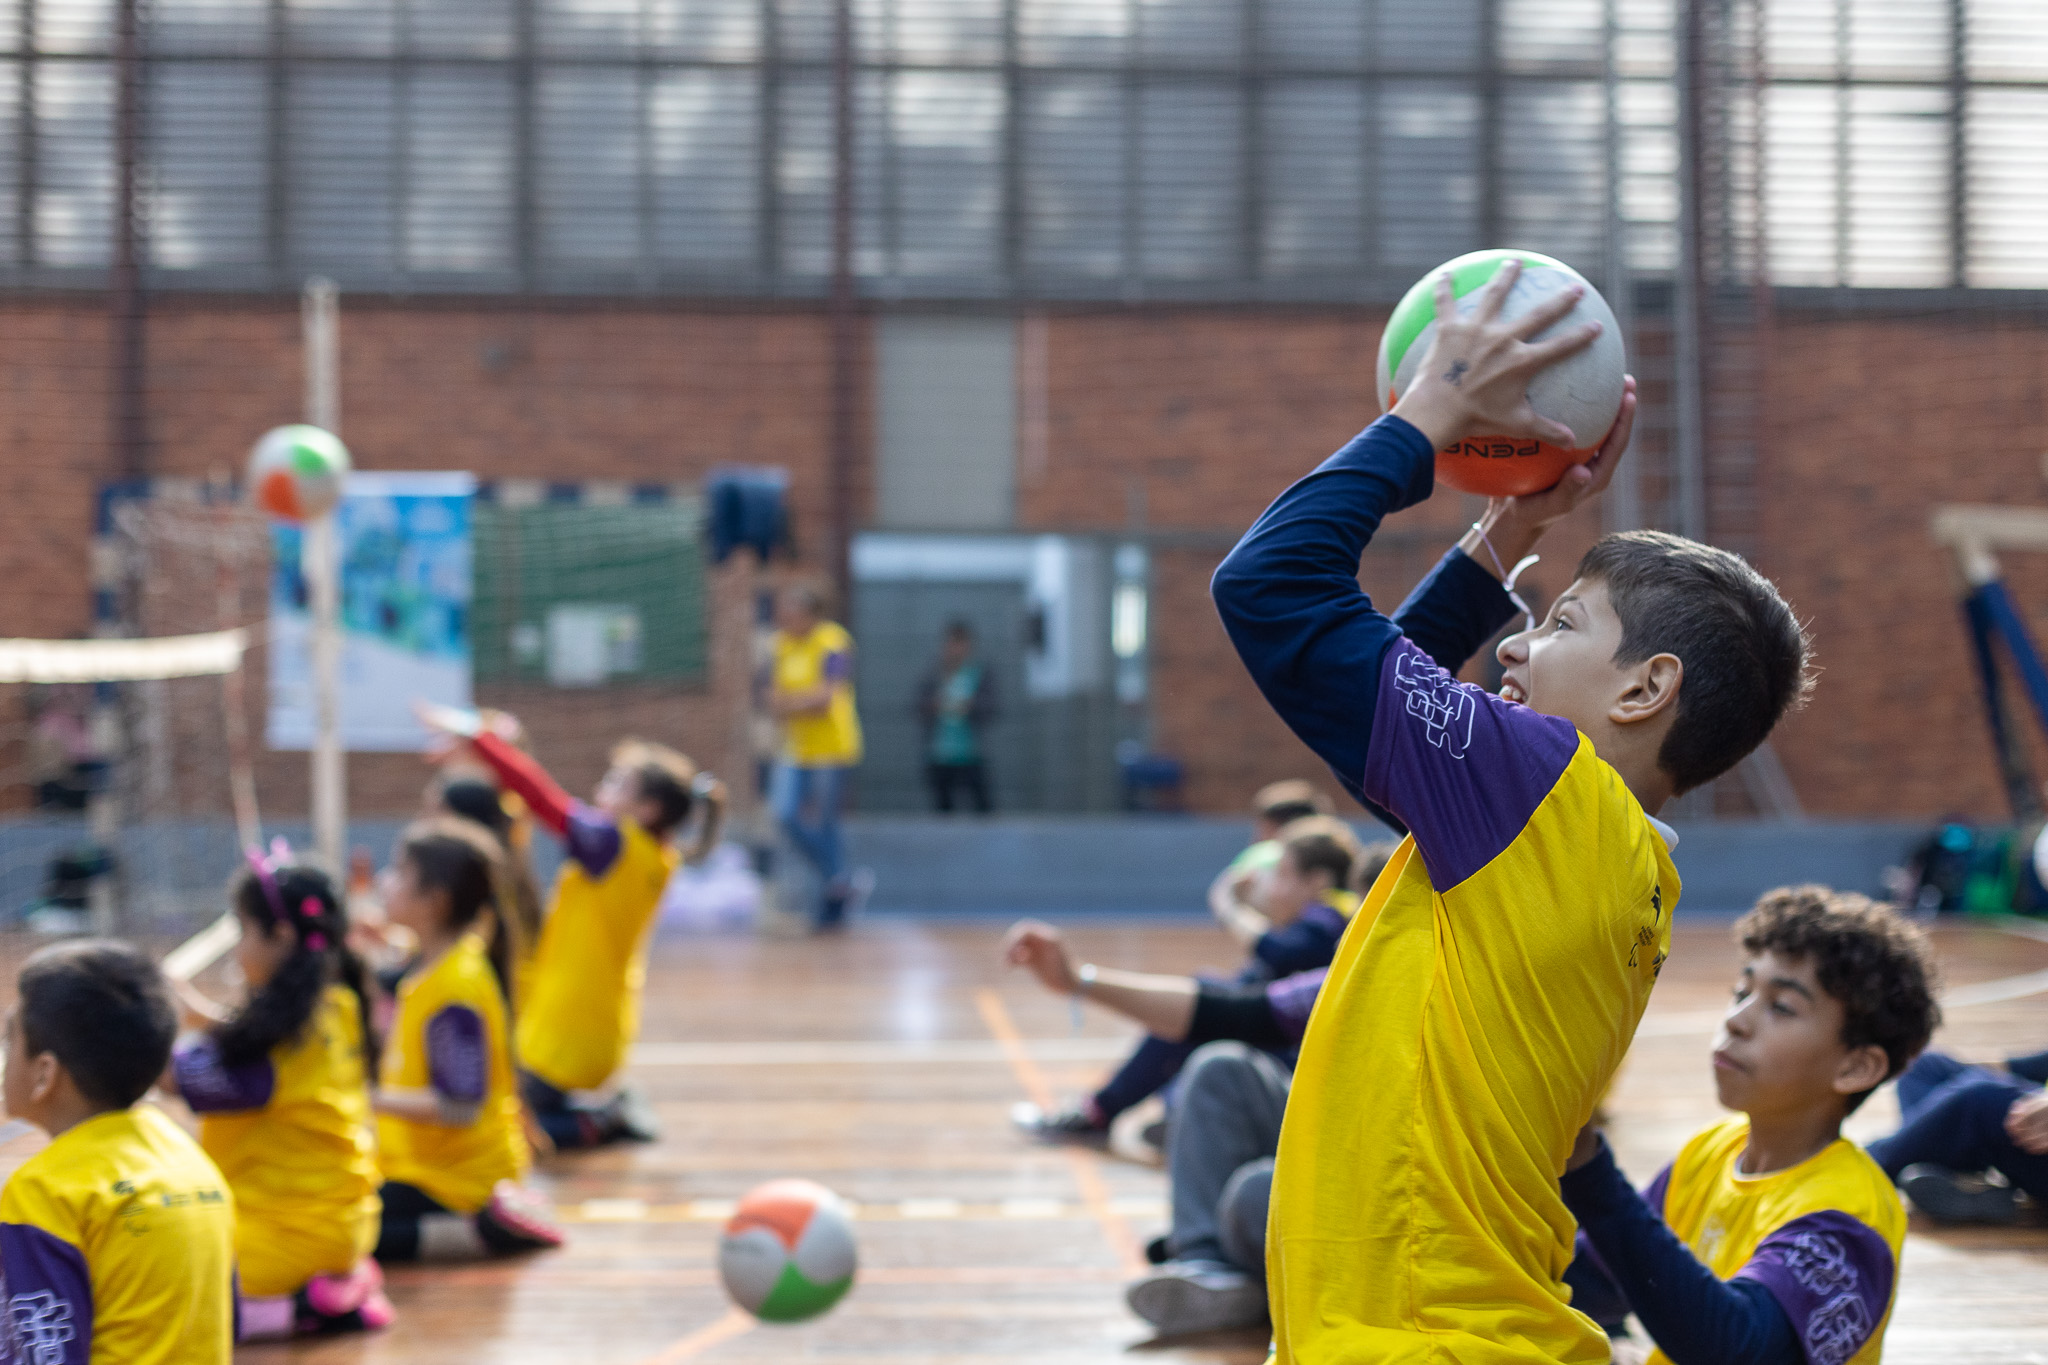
{"x":405,"y":600}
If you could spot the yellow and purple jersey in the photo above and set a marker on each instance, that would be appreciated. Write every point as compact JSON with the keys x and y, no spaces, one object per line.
{"x":117,"y":1247}
{"x":292,"y":1134}
{"x":824,"y":656}
{"x":450,"y":1038}
{"x":1484,"y":995}
{"x":1824,"y":1237}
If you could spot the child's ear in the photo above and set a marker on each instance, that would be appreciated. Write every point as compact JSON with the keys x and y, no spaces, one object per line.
{"x":1863,"y":1068}
{"x":1652,"y":690}
{"x":43,"y":1071}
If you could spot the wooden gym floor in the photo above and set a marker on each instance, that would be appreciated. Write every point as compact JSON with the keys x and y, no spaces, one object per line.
{"x":884,"y":1063}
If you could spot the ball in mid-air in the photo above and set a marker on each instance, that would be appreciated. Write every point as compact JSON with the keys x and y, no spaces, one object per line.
{"x":296,"y":472}
{"x":1582,"y":391}
{"x":788,"y":1252}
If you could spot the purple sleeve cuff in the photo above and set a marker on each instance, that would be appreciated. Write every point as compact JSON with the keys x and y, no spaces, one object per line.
{"x":49,"y":1299}
{"x":1833,"y":1275}
{"x":838,"y":666}
{"x":593,"y":839}
{"x":1293,"y":999}
{"x":210,"y":1087}
{"x":1463,"y":769}
{"x":457,"y":1065}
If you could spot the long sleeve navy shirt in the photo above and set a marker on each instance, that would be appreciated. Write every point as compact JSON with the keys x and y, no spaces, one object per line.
{"x":1290,"y":600}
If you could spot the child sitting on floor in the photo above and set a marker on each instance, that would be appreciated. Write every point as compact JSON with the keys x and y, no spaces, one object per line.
{"x":1958,"y":1122}
{"x":449,"y":1132}
{"x":1275,"y":806}
{"x":118,"y":1239}
{"x":590,"y":968}
{"x":1772,"y":1239}
{"x":281,"y":1088}
{"x":1306,"y":903}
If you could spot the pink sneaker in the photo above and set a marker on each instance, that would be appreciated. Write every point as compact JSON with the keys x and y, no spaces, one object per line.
{"x":334,"y":1296}
{"x":376,"y":1312}
{"x":516,"y":1220}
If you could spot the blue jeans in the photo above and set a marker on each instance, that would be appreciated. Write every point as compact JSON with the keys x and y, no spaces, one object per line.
{"x":795,"y":792}
{"x":1954,"y":1117}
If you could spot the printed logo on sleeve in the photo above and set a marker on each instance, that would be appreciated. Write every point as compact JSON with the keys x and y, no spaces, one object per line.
{"x":1440,"y":703}
{"x":38,"y":1327}
{"x":1838,"y":1328}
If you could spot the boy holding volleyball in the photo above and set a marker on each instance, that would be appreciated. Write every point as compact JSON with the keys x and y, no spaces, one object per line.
{"x":1468,"y":1027}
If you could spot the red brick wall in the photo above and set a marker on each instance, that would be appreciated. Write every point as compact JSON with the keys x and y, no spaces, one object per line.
{"x":1186,"y":420}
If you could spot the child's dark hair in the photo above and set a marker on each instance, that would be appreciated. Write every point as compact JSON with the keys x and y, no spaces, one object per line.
{"x":302,"y":897}
{"x":1744,"y":653}
{"x":1322,"y":843}
{"x":676,"y":786}
{"x":1864,"y":954}
{"x":1281,"y":803}
{"x":105,"y":1011}
{"x":1372,"y":860}
{"x":482,"y":804}
{"x":451,"y":855}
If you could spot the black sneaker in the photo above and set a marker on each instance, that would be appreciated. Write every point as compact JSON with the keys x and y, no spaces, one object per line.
{"x":1949,"y":1197}
{"x":1157,"y":1252}
{"x":631,"y":1117}
{"x":1073,"y":1127}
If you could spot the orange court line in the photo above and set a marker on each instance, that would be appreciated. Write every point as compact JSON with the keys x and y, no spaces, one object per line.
{"x":1087,"y":1173}
{"x":734,"y":1324}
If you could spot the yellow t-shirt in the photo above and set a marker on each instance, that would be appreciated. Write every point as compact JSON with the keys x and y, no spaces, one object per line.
{"x":1477,"y":1007}
{"x":582,"y":1009}
{"x":293,"y":1136}
{"x":828,"y":738}
{"x":1823,"y":1236}
{"x":449,"y":1036}
{"x":117,"y":1243}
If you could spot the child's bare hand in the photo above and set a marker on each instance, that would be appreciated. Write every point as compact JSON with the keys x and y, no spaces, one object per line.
{"x":1474,"y":379}
{"x":2026,"y":1123}
{"x":1038,"y":948}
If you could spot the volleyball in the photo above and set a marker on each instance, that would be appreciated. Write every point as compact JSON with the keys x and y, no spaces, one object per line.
{"x":1583,"y":391}
{"x":296,"y":472}
{"x":787,"y":1254}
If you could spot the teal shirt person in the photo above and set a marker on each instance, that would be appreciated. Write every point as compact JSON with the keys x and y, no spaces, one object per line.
{"x":955,"y":742}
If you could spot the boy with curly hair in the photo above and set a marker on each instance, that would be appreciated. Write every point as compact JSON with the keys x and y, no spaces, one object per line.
{"x":1772,"y":1239}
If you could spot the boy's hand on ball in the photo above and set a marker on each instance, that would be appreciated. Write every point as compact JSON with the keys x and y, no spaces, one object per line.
{"x":1475,"y":376}
{"x":1038,"y":948}
{"x":1582,"y":481}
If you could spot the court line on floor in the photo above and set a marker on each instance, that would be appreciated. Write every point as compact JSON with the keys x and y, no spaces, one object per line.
{"x":912,"y":1210}
{"x":1085,"y":1164}
{"x":885,"y":1052}
{"x":1686,"y":1023}
{"x":734,"y":1324}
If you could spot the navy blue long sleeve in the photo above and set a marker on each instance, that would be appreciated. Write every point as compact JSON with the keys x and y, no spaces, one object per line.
{"x":1694,"y":1316}
{"x":1309,"y":635}
{"x":2031,"y":1067}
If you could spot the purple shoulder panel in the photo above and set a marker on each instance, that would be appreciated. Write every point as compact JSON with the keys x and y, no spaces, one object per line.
{"x":593,"y":839}
{"x":457,"y":1064}
{"x":1832,"y":1274}
{"x":1293,"y":999}
{"x":48,"y":1294}
{"x":212,"y":1087}
{"x":1461,"y":768}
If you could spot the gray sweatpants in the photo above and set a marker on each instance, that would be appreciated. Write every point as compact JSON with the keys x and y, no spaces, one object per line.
{"x":1219,"y":1158}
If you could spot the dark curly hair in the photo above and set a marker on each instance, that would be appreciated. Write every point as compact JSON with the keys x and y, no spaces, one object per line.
{"x":280,"y":1009}
{"x":1864,"y":954}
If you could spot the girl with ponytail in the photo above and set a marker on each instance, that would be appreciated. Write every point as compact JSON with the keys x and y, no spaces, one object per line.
{"x":582,"y":1011}
{"x":281,"y":1087}
{"x":449,"y":1129}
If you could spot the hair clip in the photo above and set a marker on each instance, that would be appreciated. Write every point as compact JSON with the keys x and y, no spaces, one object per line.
{"x":266,"y":877}
{"x":703,"y":784}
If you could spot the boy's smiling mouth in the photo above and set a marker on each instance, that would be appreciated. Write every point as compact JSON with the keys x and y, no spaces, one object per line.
{"x":1510,"y":690}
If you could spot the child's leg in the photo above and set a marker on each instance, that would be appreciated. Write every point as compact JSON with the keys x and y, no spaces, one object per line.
{"x":1232,"y":1099}
{"x":1154,"y":1062}
{"x":790,"y":792}
{"x":417,"y":1227}
{"x":407,"y":1209}
{"x":1961,"y":1127}
{"x":1241,"y":1214}
{"x":574,"y":1127}
{"x":1928,"y":1073}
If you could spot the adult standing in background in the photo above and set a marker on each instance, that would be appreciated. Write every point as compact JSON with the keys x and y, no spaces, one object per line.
{"x":956,"y":699}
{"x":811,"y":692}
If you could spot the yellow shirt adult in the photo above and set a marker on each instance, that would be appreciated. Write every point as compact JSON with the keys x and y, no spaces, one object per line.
{"x":117,"y":1246}
{"x":450,"y":1037}
{"x":292,"y":1134}
{"x":822,"y":656}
